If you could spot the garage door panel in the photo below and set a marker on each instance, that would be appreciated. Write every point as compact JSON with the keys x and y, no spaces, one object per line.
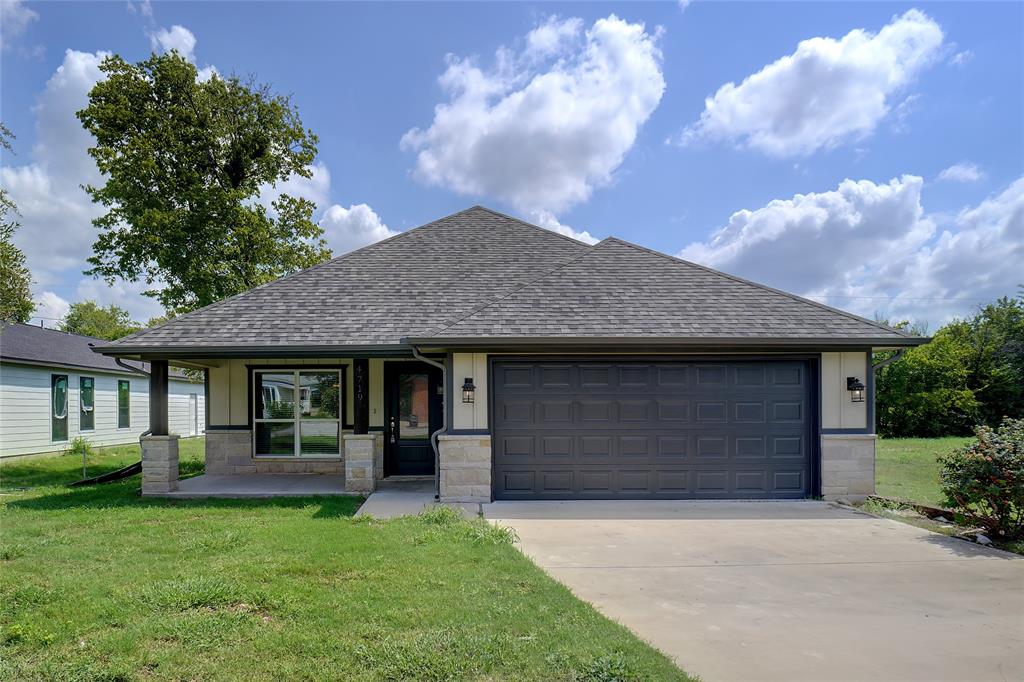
{"x":652,"y":429}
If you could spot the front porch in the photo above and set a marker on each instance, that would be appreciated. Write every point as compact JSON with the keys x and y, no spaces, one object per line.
{"x":321,"y":427}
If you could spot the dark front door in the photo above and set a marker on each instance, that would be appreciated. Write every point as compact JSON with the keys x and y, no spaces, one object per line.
{"x":658,"y":429}
{"x":412,"y":412}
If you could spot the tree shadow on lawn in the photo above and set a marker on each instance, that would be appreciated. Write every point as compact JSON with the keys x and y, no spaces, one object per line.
{"x":126,"y":494}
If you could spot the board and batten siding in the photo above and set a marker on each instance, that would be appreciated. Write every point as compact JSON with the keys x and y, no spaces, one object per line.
{"x":25,"y":426}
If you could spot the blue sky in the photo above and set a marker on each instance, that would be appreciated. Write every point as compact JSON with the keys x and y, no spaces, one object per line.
{"x":868,"y":155}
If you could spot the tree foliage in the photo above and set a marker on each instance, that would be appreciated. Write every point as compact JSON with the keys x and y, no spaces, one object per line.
{"x":185,"y":162}
{"x":971,"y":373}
{"x":15,"y":279}
{"x":89,"y":319}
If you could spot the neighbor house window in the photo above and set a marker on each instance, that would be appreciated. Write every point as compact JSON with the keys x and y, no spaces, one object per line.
{"x":124,"y":403}
{"x":59,"y":406}
{"x":86,"y":403}
{"x":296,"y":413}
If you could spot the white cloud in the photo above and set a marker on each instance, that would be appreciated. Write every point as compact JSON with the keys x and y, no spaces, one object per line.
{"x":827,"y":92}
{"x":548,"y":221}
{"x":683,"y":4}
{"x":962,"y":58}
{"x":316,"y":188}
{"x":347,"y":229}
{"x":870,"y":248}
{"x":174,"y":38}
{"x":50,"y":308}
{"x":964,"y":171}
{"x":15,"y":17}
{"x":548,"y":124}
{"x":144,"y":7}
{"x":56,"y":232}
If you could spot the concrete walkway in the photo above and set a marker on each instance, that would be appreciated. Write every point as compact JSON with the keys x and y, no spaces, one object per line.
{"x":258,"y":485}
{"x":389,"y":501}
{"x":785,"y":591}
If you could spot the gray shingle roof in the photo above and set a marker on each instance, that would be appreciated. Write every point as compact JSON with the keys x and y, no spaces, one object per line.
{"x":618,"y":289}
{"x":36,"y":345}
{"x":402,"y":286}
{"x":479,"y":274}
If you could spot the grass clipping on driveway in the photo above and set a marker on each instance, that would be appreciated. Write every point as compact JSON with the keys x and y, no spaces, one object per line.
{"x":98,"y":583}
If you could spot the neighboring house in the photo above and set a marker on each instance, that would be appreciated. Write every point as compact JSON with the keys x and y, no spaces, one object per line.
{"x":550,"y":368}
{"x":53,"y":389}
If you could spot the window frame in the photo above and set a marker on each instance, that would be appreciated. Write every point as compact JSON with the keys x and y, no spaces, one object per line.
{"x":67,"y":405}
{"x":296,"y":418}
{"x":81,"y":402}
{"x":128,"y":406}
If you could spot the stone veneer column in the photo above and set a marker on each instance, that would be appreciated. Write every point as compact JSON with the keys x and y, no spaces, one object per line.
{"x":159,"y":464}
{"x":847,"y":466}
{"x":465,"y":468}
{"x":359,"y":456}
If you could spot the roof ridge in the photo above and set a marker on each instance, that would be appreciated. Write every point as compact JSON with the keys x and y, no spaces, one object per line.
{"x":586,"y":251}
{"x":757,"y":285}
{"x":316,"y":266}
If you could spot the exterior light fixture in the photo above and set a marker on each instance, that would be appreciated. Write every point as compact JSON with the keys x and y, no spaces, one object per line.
{"x":468,"y":389}
{"x":856,"y":389}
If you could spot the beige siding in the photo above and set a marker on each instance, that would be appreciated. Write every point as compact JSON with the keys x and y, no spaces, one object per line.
{"x":25,"y":426}
{"x":837,"y":411}
{"x":464,"y":415}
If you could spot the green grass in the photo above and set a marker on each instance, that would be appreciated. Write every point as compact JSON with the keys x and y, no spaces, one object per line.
{"x":98,"y":583}
{"x":906,"y":468}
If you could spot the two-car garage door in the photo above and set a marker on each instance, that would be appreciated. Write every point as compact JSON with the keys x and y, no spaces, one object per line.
{"x":705,"y":430}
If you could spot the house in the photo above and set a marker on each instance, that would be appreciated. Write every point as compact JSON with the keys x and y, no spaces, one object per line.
{"x":509,"y":362}
{"x":53,"y":389}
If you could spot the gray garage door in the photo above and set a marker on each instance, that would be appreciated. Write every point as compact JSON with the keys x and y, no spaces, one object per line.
{"x":576,"y":430}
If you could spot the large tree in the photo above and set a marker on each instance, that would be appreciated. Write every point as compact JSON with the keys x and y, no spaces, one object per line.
{"x":90,"y":319}
{"x":15,"y":279}
{"x":185,"y":161}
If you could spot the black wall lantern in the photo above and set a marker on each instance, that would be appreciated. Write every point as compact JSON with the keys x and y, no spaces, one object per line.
{"x":856,"y":389}
{"x":468,"y":390}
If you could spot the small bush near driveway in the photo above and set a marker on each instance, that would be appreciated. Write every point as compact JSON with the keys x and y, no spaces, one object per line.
{"x":985,"y":479}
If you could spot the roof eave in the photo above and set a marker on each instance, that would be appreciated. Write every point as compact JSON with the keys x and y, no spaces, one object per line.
{"x":663,"y":343}
{"x":181,"y":352}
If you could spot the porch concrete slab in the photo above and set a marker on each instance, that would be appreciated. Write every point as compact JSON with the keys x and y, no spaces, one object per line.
{"x":389,"y":503}
{"x":258,"y":485}
{"x":785,"y":590}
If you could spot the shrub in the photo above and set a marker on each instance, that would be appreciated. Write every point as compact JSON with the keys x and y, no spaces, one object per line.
{"x":984,"y":480}
{"x":79,"y":446}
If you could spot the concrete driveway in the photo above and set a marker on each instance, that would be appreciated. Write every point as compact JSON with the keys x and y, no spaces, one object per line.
{"x":785,"y":590}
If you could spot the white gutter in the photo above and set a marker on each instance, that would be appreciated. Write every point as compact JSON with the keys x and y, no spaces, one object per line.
{"x":444,"y":420}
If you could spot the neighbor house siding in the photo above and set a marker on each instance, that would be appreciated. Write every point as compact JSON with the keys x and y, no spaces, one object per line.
{"x":25,"y":408}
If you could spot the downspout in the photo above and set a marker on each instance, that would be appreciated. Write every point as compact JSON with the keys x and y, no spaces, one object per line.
{"x":889,"y":361}
{"x":444,"y":421}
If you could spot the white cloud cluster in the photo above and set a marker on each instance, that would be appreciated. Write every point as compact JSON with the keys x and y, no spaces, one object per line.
{"x":827,"y":92}
{"x":15,"y":17}
{"x":964,"y":171}
{"x":176,"y":38}
{"x":347,"y":229}
{"x":549,"y":122}
{"x":870,"y":248}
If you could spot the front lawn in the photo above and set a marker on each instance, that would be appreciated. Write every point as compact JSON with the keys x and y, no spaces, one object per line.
{"x":906,"y":468}
{"x":98,"y":583}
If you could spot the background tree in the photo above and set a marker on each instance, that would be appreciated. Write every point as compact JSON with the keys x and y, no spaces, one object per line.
{"x":971,"y":373}
{"x":15,"y":279}
{"x":185,"y":162}
{"x":89,"y":319}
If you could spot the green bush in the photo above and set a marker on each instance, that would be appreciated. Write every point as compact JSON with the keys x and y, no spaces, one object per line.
{"x":79,"y":446}
{"x":984,"y":480}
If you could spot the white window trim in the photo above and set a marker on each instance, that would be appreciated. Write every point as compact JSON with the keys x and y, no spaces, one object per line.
{"x":117,"y":404}
{"x":296,"y":414}
{"x":67,"y":400}
{"x":82,"y":404}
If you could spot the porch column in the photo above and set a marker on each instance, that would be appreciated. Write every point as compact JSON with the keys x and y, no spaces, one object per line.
{"x":159,"y":449}
{"x":158,"y":398}
{"x":361,"y":394}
